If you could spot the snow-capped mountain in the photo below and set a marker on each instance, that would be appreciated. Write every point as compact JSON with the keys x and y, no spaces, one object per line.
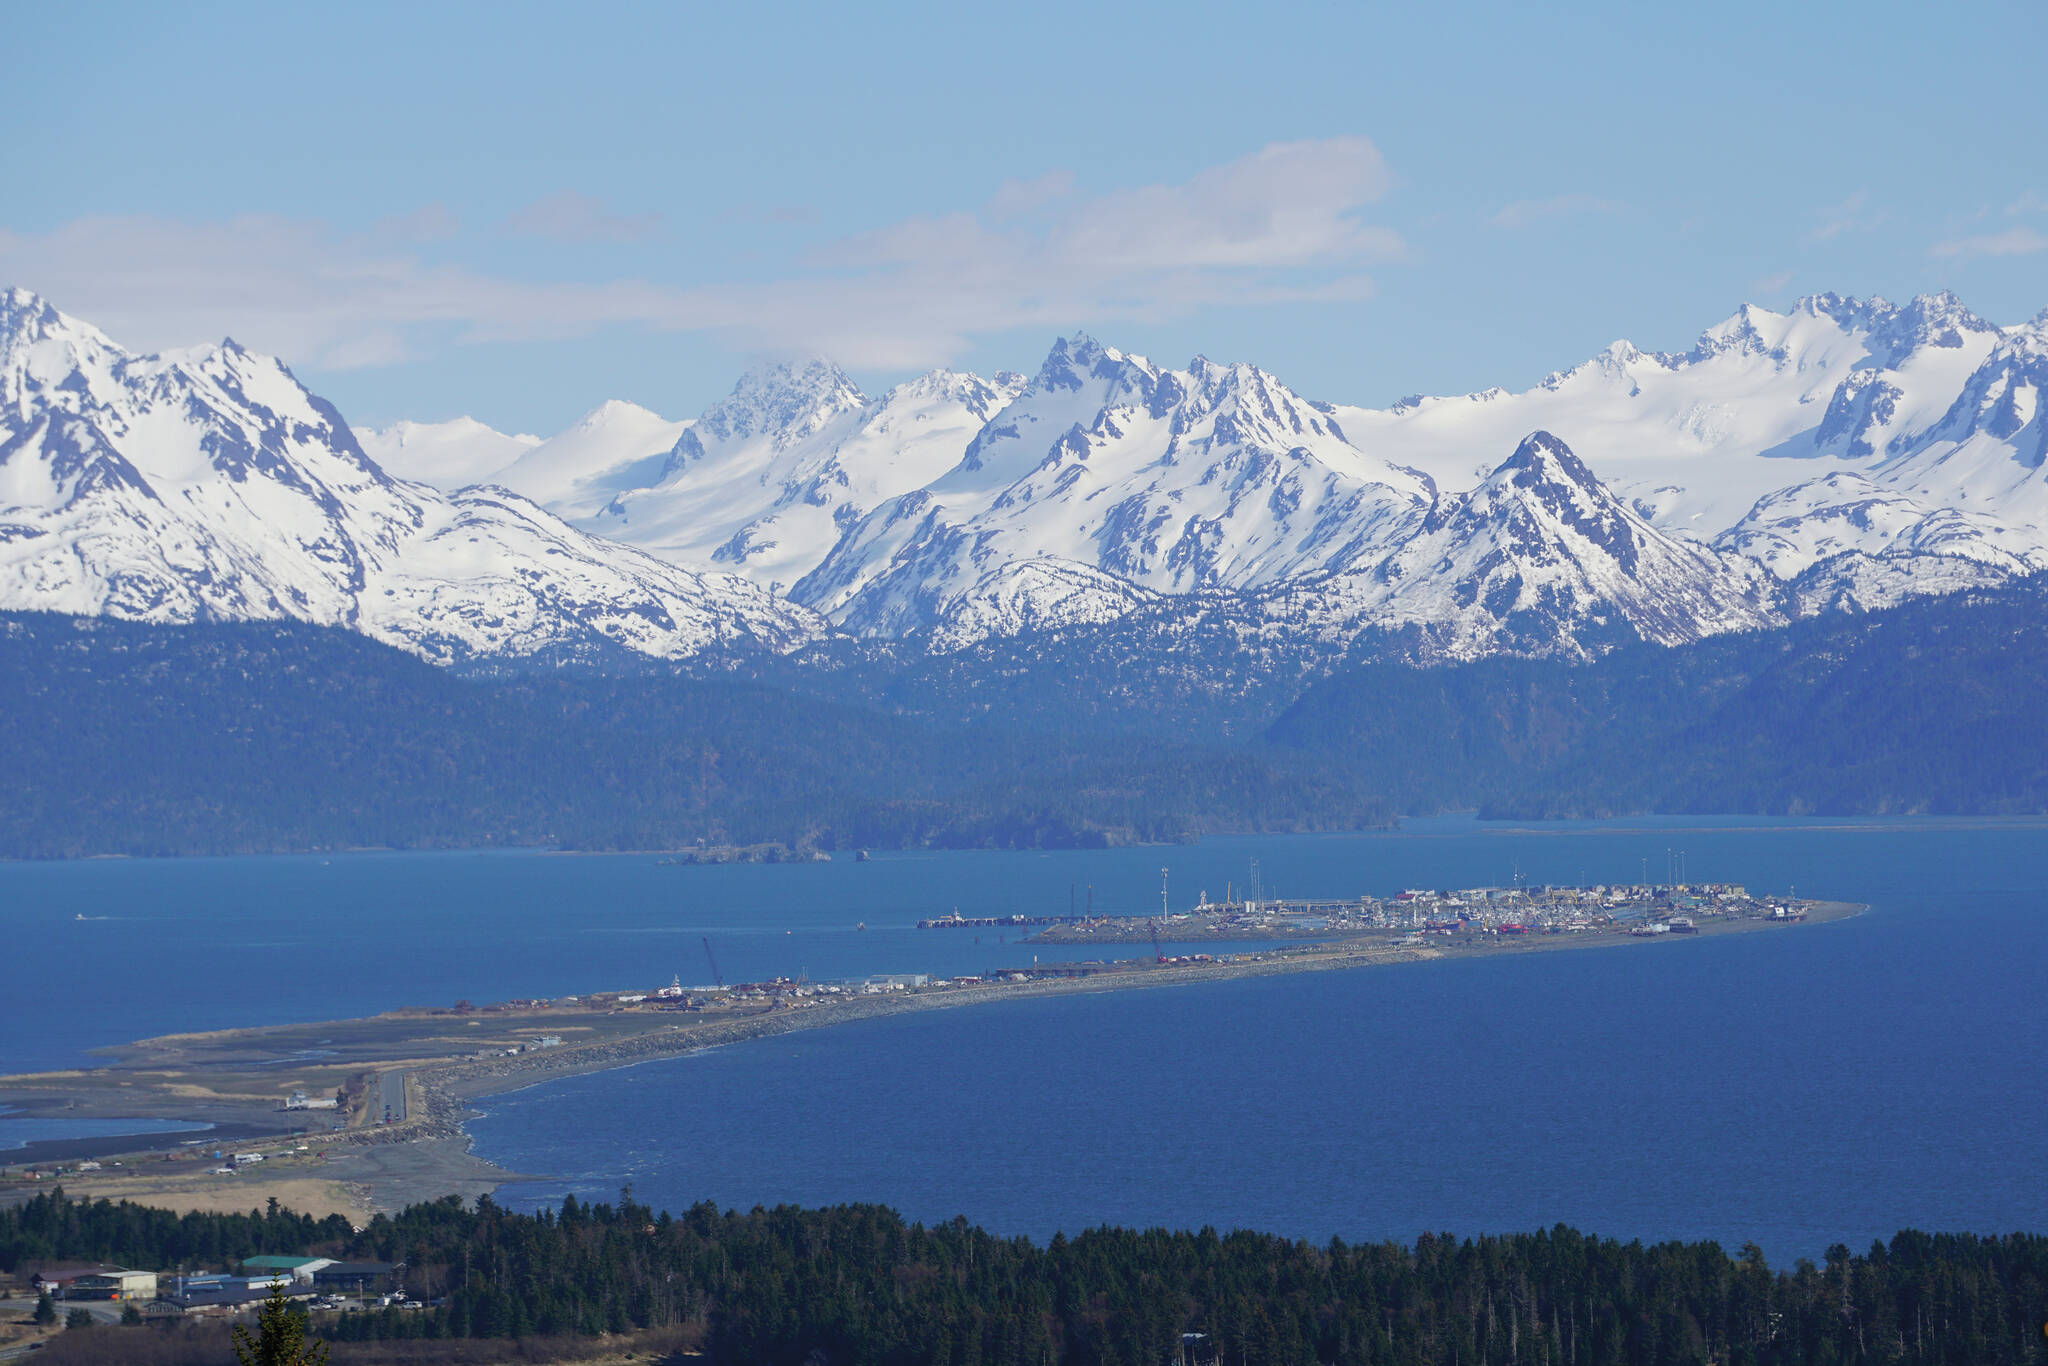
{"x":613,"y":448}
{"x":209,"y":485}
{"x":1694,"y":438}
{"x":1541,"y":558}
{"x":448,"y":455}
{"x":1841,"y":455}
{"x":1171,"y":481}
{"x":767,"y":479}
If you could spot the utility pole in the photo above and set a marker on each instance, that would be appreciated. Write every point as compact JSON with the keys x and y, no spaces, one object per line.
{"x":1162,"y":891}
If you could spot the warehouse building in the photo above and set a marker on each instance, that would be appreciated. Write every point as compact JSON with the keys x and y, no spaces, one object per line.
{"x":114,"y":1284}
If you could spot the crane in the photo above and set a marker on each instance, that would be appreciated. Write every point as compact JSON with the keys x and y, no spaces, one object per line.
{"x":709,"y":957}
{"x":1158,"y":954}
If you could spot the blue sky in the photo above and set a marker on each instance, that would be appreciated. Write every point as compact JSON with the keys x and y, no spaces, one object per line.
{"x":516,"y":212}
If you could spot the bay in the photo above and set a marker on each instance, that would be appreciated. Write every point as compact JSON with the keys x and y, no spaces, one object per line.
{"x":1823,"y":1083}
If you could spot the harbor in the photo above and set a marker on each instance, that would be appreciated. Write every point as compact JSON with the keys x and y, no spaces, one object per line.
{"x":1641,"y":908}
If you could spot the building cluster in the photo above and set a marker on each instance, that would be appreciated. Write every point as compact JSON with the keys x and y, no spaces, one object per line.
{"x":321,"y":1281}
{"x":1421,"y":912}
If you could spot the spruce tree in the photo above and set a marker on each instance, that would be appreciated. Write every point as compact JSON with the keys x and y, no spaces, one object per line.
{"x":280,"y":1337}
{"x":46,"y":1310}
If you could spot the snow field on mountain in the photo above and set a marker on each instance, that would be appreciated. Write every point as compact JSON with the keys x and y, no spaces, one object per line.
{"x":1838,"y":456}
{"x":209,"y":485}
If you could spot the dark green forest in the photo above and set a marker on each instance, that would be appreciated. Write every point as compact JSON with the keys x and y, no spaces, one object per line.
{"x":855,"y":1285}
{"x":143,"y":740}
{"x":1928,"y":708}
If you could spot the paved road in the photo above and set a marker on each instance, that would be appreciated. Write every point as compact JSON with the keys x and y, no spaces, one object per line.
{"x":390,"y":1098}
{"x":19,"y":1309}
{"x":102,"y":1311}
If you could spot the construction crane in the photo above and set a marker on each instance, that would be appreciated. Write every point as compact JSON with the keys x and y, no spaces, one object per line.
{"x":712,"y":959}
{"x":1158,"y":954}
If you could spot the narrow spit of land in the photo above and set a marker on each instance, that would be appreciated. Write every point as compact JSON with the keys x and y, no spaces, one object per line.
{"x":385,"y":1097}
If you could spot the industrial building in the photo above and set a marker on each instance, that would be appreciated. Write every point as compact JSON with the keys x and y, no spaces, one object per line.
{"x":297,"y":1268}
{"x":113,"y":1283}
{"x":356,"y":1277}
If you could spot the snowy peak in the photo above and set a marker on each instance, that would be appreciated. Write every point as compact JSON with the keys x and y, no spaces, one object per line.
{"x":1542,"y":459}
{"x":785,"y":401}
{"x":1937,"y":320}
{"x":768,"y":478}
{"x":2002,"y":399}
{"x":1543,"y":503}
{"x":979,"y":398}
{"x":449,"y":455}
{"x":1545,"y":480}
{"x":209,"y":485}
{"x":25,"y":319}
{"x":1215,"y":477}
{"x":1543,"y":558}
{"x":1831,"y":455}
{"x":1075,"y":360}
{"x":615,"y":447}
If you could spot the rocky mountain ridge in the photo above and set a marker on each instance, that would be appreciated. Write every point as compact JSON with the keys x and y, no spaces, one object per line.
{"x":1841,"y":455}
{"x":209,"y":485}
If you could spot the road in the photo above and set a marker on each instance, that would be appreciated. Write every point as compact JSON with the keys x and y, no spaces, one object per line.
{"x":102,"y":1311}
{"x":19,"y":1309}
{"x":390,"y":1102}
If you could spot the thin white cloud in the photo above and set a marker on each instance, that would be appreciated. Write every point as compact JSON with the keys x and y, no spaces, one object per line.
{"x":1281,"y":225}
{"x":1015,"y":198}
{"x":567,"y":216}
{"x":1851,"y":215}
{"x":293,"y":288}
{"x":428,"y":223}
{"x":1772,"y":283}
{"x":2011,"y":242}
{"x":1523,"y":212}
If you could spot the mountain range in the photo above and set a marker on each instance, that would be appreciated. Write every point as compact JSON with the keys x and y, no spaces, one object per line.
{"x":1843,"y":455}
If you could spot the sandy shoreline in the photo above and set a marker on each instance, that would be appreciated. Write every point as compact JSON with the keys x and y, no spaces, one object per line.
{"x":370,"y":1168}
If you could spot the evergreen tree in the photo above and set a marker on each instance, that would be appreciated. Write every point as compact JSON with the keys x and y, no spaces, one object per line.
{"x":46,"y":1310}
{"x":280,"y":1337}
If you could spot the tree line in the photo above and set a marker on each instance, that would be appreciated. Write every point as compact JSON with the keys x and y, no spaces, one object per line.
{"x":856,"y":1284}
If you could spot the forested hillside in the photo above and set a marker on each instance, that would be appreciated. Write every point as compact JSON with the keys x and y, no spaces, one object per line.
{"x":856,"y":1284}
{"x":1929,"y":707}
{"x":124,"y":738}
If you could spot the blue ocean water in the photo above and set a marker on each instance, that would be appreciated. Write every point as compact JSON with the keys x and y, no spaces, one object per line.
{"x":1816,"y":1084}
{"x":20,"y":1131}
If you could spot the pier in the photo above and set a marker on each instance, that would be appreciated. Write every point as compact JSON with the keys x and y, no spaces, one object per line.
{"x":957,"y":921}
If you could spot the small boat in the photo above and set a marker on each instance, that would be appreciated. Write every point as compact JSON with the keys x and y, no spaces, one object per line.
{"x":862,"y":856}
{"x":860,"y":924}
